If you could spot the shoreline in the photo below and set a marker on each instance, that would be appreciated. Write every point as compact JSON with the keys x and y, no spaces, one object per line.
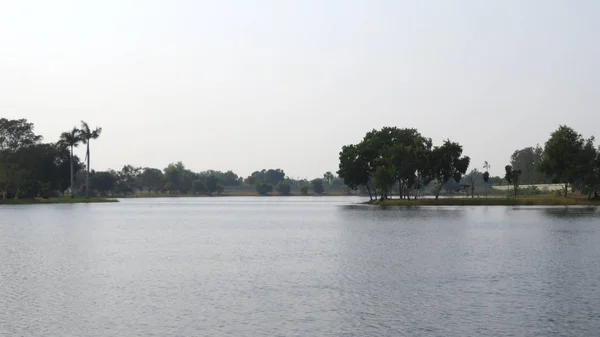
{"x":520,"y":201}
{"x":62,"y":200}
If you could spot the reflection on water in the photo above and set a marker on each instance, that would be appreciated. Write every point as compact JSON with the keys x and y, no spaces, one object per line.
{"x":297,"y":267}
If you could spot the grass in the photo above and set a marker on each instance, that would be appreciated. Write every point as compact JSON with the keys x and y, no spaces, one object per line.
{"x":62,"y":200}
{"x":520,"y":201}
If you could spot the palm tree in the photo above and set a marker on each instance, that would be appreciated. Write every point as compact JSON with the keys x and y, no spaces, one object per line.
{"x":71,"y":139}
{"x":86,"y":136}
{"x":486,"y":175}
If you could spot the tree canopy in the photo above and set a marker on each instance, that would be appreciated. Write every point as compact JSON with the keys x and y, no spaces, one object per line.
{"x":400,"y":156}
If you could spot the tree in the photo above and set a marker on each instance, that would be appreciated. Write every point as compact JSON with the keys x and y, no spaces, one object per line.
{"x":446,"y":163}
{"x":128,"y":179}
{"x":264,"y":188}
{"x":486,"y":176}
{"x":383,"y":179}
{"x":211,"y":184}
{"x":512,"y":175}
{"x":588,"y":170}
{"x":17,"y":134}
{"x":528,"y":161}
{"x":72,"y":140}
{"x":562,"y":155}
{"x":87,"y":135}
{"x":198,"y":186}
{"x":354,"y":169}
{"x":284,"y":188}
{"x":304,"y":190}
{"x":328,"y":178}
{"x":317,"y":185}
{"x":152,"y":179}
{"x":103,"y":182}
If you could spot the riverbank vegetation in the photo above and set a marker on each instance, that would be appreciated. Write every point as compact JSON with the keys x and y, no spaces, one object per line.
{"x":60,"y":200}
{"x":492,"y":201}
{"x":402,"y":162}
{"x":31,"y":168}
{"x":391,"y":163}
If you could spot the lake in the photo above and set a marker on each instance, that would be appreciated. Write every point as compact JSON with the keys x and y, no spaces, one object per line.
{"x":297,"y":266}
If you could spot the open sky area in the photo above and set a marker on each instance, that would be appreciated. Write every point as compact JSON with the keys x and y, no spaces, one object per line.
{"x":246,"y":85}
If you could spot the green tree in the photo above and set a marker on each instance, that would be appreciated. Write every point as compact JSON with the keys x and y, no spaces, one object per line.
{"x":103,"y":183}
{"x":354,"y":169}
{"x":152,"y":179}
{"x":328,"y":178}
{"x":284,"y":188}
{"x":446,"y":163}
{"x":198,"y":186}
{"x":127,"y":180}
{"x":588,"y":170}
{"x":72,"y":140}
{"x":317,"y":185}
{"x":264,"y":188}
{"x":304,"y":190}
{"x":486,"y":176}
{"x":87,"y":135}
{"x":528,"y":161}
{"x":383,"y":179}
{"x":211,"y":184}
{"x":17,"y":134}
{"x":512,"y":175}
{"x":562,"y":156}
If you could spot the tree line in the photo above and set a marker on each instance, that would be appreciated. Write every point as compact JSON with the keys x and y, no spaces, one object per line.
{"x":31,"y":168}
{"x":407,"y":162}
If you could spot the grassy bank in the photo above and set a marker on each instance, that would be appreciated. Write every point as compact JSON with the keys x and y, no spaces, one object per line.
{"x":65,"y":200}
{"x":521,"y":201}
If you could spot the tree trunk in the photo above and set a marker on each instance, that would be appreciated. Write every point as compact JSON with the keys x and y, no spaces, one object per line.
{"x":437,"y":193}
{"x":566,"y":189}
{"x":72,"y":180}
{"x":87,"y":174}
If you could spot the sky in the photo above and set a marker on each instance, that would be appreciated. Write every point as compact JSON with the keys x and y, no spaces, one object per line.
{"x":246,"y":85}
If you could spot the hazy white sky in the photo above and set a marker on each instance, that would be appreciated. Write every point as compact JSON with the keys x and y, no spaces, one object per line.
{"x":246,"y":85}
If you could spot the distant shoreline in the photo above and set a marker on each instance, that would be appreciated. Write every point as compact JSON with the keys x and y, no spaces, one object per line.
{"x":521,"y":201}
{"x":62,"y":200}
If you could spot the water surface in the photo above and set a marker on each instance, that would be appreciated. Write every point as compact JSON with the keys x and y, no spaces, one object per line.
{"x":297,"y":266}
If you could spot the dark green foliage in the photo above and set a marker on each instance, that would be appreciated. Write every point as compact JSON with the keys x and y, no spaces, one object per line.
{"x":151,"y":179}
{"x":528,"y":161}
{"x":563,"y":155}
{"x":446,"y":163}
{"x":103,"y":183}
{"x":383,"y":179}
{"x":211,"y":184}
{"x":264,"y":188}
{"x":317,"y":186}
{"x":284,"y":188}
{"x":402,"y":157}
{"x":328,"y":178}
{"x":16,"y":134}
{"x":304,"y":190}
{"x":513,"y":176}
{"x":198,"y":187}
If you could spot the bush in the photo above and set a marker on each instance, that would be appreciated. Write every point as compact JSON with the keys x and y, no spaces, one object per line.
{"x":284,"y":188}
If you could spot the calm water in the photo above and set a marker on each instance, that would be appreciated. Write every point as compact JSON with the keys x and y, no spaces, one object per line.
{"x":297,"y":267}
